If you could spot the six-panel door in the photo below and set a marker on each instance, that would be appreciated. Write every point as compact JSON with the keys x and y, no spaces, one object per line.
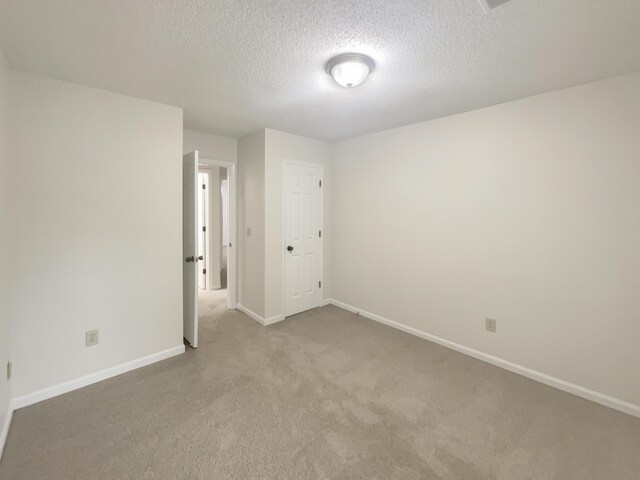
{"x":303,"y":236}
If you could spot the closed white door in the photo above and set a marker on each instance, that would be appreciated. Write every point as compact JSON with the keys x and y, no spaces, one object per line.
{"x":303,"y":223}
{"x":190,"y":248}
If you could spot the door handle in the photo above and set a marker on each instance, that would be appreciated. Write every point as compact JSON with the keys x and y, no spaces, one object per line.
{"x":289,"y":248}
{"x":189,"y":259}
{"x":200,"y":257}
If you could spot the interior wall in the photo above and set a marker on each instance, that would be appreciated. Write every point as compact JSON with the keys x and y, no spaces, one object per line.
{"x":213,"y":147}
{"x":5,"y":247}
{"x":525,"y":212}
{"x":251,"y":222}
{"x":280,"y":146}
{"x":97,"y":224}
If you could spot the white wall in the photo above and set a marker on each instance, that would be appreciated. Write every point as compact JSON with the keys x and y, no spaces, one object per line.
{"x":251,"y":215}
{"x":97,"y":226}
{"x":525,"y":212}
{"x":278,"y":147}
{"x":212,"y":147}
{"x":260,"y":157}
{"x":5,"y":248}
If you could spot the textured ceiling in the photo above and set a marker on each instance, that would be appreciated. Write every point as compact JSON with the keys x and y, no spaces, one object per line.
{"x":238,"y":66}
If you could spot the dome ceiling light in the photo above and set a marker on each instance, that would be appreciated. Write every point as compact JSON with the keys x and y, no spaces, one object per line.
{"x":350,"y":69}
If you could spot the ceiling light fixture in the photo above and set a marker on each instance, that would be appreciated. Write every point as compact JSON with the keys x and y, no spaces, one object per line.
{"x":350,"y":69}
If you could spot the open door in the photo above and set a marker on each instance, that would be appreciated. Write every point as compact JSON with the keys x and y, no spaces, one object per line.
{"x":190,"y":247}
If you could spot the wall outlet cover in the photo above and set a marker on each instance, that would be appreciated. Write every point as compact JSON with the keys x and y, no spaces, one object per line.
{"x":490,"y":324}
{"x":91,"y":338}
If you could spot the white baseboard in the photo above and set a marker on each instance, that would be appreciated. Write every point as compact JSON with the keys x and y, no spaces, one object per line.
{"x":258,"y":318}
{"x":563,"y":385}
{"x":274,"y":319}
{"x":5,"y":429}
{"x":55,"y":390}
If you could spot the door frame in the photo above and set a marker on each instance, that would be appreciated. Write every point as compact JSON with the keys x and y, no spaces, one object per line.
{"x":232,"y":250}
{"x":207,"y":233}
{"x":283,"y":239}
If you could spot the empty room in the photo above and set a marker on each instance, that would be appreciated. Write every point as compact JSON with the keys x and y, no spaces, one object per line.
{"x":288,"y":240}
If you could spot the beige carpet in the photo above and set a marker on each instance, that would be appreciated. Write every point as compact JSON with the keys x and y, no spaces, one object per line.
{"x":323,"y":395}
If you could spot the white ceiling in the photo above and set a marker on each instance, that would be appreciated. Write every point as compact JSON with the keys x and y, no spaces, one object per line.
{"x":238,"y":66}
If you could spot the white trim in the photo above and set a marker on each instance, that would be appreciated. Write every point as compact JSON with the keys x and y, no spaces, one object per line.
{"x":250,"y":313}
{"x":55,"y":390}
{"x":208,"y":172}
{"x":232,"y":251}
{"x":258,"y":318}
{"x":5,"y":428}
{"x":283,"y":238}
{"x":563,"y":385}
{"x":302,"y":163}
{"x":274,"y":319}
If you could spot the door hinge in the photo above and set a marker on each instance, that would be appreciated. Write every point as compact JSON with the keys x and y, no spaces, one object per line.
{"x":204,"y":186}
{"x":320,"y":183}
{"x":320,"y":233}
{"x":319,"y":284}
{"x":204,"y":229}
{"x":204,"y":270}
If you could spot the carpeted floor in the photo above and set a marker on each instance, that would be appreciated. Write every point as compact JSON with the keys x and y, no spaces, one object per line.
{"x":323,"y":395}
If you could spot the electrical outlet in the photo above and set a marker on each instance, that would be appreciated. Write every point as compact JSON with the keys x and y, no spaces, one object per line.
{"x":9,"y":368}
{"x":91,"y":338}
{"x":490,"y":324}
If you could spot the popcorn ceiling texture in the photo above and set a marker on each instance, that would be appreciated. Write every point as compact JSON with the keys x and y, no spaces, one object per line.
{"x":238,"y":66}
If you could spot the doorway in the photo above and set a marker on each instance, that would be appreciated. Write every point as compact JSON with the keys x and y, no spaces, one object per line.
{"x":213,"y":227}
{"x":209,"y":233}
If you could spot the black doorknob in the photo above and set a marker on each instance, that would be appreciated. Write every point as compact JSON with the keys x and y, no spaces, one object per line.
{"x":190,"y":259}
{"x":200,"y":257}
{"x":290,"y":248}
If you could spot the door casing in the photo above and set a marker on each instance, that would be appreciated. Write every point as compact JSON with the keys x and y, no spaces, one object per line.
{"x":204,"y":221}
{"x":232,"y":250}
